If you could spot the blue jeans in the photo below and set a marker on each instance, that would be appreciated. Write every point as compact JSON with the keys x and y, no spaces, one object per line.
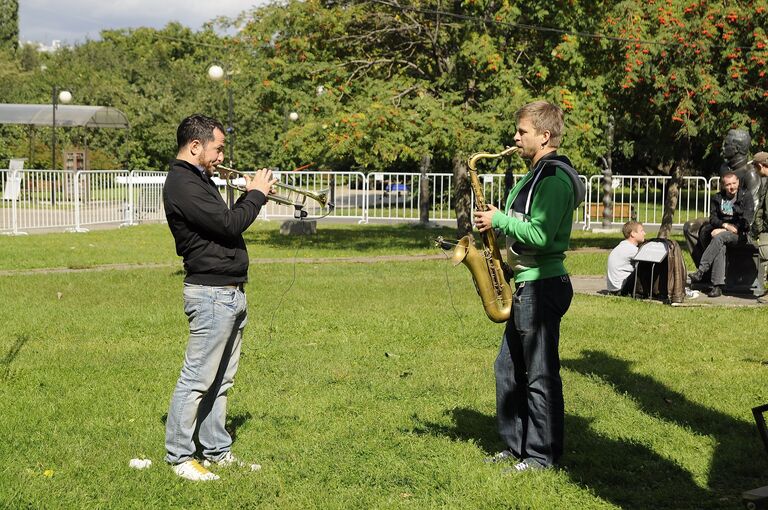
{"x":529,"y":392}
{"x":217,"y":316}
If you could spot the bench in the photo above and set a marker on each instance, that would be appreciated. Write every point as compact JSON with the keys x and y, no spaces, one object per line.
{"x":621,"y":212}
{"x":744,"y":271}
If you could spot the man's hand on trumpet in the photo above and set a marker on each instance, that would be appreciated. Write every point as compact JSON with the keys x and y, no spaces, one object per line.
{"x":261,"y":181}
{"x":483,"y":218}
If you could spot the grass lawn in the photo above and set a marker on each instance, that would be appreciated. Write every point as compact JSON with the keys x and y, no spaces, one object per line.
{"x":361,"y":385}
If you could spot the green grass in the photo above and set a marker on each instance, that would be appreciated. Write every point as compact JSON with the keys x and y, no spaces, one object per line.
{"x":361,"y":386}
{"x":152,"y":244}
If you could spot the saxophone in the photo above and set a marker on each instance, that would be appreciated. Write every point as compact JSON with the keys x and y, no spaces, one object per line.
{"x":486,"y":266}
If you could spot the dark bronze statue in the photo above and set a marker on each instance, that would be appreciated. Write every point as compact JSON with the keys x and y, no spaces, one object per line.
{"x":735,"y":153}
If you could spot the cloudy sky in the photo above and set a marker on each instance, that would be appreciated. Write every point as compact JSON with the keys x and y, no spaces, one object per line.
{"x":72,"y":21}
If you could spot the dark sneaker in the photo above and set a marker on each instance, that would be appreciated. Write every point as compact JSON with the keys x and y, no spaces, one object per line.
{"x":696,"y":277}
{"x":503,"y":456}
{"x":715,"y":292}
{"x":525,"y":465}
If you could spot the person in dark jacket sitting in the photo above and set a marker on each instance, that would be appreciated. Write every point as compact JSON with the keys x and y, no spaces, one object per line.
{"x":730,"y":217}
{"x":209,"y":237}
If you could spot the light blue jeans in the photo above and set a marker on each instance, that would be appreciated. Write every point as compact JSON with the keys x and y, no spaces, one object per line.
{"x":217,"y":316}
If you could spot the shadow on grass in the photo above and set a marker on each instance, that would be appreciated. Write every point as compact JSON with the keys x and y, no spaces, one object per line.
{"x":5,"y":363}
{"x":627,"y":474}
{"x":236,"y":421}
{"x":468,"y":425}
{"x":605,"y":243}
{"x":371,"y":238}
{"x":734,"y":467}
{"x":609,"y":242}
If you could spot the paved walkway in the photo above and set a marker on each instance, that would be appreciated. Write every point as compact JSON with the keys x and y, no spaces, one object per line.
{"x":595,"y":285}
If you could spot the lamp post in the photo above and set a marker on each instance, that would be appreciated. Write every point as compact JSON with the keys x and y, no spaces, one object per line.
{"x":216,"y":73}
{"x":64,"y":97}
{"x":288,"y":117}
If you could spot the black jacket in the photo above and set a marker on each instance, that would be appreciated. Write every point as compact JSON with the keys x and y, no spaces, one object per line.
{"x":208,"y":234}
{"x":743,"y":211}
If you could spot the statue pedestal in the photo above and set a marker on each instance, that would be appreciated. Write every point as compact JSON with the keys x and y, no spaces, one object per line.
{"x":298,"y":227}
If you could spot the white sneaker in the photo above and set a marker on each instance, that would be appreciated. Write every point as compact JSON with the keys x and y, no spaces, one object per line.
{"x":230,"y":460}
{"x":192,"y":470}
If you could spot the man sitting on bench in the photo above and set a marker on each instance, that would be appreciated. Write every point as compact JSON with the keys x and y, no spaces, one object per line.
{"x":621,"y":272}
{"x":730,"y":217}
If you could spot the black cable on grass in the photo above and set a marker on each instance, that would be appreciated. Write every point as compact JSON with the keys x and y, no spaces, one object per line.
{"x":293,"y":280}
{"x":448,"y":284}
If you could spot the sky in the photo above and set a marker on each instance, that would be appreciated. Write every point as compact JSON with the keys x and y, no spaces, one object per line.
{"x":74,"y":21}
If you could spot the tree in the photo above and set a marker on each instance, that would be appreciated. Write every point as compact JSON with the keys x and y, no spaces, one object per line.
{"x":9,"y":24}
{"x":401,"y":86}
{"x":691,"y":71}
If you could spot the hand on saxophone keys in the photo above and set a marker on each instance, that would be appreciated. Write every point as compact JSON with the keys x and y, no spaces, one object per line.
{"x":483,"y":219}
{"x":262,"y":181}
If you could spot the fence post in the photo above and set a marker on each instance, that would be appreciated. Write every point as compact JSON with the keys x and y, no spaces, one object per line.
{"x":129,"y":213}
{"x":364,"y":219}
{"x":13,"y":179}
{"x":76,"y":192}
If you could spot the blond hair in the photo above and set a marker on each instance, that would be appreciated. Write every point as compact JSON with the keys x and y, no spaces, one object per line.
{"x":544,"y":116}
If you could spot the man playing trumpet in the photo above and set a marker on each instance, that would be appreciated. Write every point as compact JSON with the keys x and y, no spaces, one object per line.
{"x":537,"y":222}
{"x":209,"y":237}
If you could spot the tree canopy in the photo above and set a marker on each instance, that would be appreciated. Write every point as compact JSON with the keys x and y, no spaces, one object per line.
{"x":377,"y":85}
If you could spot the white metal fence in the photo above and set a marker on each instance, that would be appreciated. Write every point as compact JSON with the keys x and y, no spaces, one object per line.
{"x":46,"y":199}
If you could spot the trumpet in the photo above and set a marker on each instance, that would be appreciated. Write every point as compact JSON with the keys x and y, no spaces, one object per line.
{"x":289,"y":195}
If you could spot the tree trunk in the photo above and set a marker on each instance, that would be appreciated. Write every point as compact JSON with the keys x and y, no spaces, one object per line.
{"x":462,"y":200}
{"x":424,"y":192}
{"x":608,"y":178}
{"x":670,"y":202}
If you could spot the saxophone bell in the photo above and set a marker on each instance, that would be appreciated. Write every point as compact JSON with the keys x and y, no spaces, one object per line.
{"x":489,"y":272}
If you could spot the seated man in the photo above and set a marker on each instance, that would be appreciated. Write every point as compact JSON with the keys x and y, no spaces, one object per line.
{"x":730,"y":216}
{"x":621,"y":272}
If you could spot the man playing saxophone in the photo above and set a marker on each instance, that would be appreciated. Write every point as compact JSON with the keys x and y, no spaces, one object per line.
{"x":537,"y":223}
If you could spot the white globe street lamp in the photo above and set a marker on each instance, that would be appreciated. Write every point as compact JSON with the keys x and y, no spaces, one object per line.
{"x":64,"y":97}
{"x":215,"y":72}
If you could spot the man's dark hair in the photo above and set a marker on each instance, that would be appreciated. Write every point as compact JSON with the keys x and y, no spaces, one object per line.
{"x":197,"y":127}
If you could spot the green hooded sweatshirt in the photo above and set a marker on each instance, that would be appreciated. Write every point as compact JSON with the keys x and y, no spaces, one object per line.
{"x":538,"y":218}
